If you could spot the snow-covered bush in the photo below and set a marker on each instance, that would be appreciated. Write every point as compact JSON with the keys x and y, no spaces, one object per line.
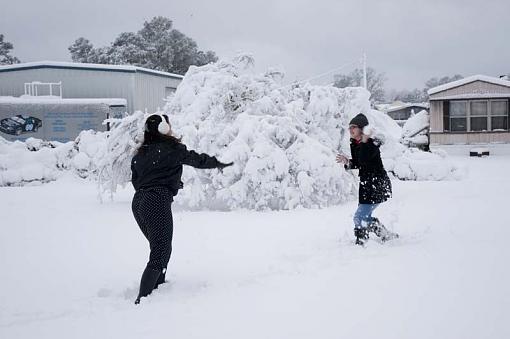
{"x":282,"y":140}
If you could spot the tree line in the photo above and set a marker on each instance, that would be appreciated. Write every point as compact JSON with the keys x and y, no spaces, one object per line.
{"x":159,"y":46}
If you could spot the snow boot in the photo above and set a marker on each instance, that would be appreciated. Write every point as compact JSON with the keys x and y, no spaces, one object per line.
{"x":161,"y":279}
{"x":149,"y":278}
{"x":381,"y":231}
{"x":361,"y":234}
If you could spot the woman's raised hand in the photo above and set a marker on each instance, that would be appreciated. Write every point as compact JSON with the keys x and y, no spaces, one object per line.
{"x":342,"y":159}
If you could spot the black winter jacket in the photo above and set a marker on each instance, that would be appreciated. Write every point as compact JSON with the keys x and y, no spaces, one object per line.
{"x":160,"y":164}
{"x":375,"y":185}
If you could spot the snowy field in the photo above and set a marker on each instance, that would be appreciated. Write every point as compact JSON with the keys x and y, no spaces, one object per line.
{"x":70,"y":266}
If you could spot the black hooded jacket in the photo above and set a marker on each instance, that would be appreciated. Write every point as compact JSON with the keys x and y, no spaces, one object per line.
{"x":375,"y":185}
{"x":160,"y":164}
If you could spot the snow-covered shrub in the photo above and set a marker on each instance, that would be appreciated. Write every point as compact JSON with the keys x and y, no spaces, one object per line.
{"x":282,"y":140}
{"x":33,"y":161}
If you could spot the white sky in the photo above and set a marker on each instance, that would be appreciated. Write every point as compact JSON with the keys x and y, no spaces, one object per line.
{"x":410,"y":41}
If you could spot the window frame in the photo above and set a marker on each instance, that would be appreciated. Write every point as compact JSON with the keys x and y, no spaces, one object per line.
{"x":448,"y":119}
{"x":466,"y":117}
{"x":507,"y":115}
{"x":486,"y":115}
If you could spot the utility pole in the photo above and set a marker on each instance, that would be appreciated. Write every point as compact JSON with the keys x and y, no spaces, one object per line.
{"x":364,"y":65}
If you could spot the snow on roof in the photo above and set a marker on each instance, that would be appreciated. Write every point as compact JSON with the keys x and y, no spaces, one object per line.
{"x":25,"y":99}
{"x":472,"y":96}
{"x":78,"y":65}
{"x":478,"y":77}
{"x":400,"y":105}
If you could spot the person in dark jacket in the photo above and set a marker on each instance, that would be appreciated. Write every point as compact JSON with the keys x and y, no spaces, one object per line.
{"x":156,"y":176}
{"x":375,"y":185}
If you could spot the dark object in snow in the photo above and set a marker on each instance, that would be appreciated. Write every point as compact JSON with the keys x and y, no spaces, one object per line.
{"x":361,"y":234}
{"x":381,"y":231}
{"x":359,"y":120}
{"x":20,"y":124}
{"x":149,"y":278}
{"x":479,"y":152}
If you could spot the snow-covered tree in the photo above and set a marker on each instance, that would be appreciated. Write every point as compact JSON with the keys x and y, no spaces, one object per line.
{"x":415,"y":95}
{"x":375,"y":82}
{"x":5,"y":52}
{"x":433,"y":82}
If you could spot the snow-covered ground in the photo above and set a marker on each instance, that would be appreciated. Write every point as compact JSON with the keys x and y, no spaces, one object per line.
{"x":70,"y":266}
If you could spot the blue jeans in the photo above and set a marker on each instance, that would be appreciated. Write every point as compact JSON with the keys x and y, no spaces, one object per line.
{"x":363,"y":215}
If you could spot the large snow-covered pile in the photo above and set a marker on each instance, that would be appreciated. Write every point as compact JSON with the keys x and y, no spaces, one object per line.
{"x":282,"y":140}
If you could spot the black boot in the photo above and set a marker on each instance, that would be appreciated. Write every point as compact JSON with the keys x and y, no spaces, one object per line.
{"x":381,"y":231}
{"x":161,"y":279}
{"x":361,"y":235}
{"x":149,"y":278}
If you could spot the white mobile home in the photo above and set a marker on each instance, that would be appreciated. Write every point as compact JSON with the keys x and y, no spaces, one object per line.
{"x":473,"y":110}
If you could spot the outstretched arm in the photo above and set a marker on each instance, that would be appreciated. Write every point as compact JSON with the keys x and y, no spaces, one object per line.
{"x":202,"y":160}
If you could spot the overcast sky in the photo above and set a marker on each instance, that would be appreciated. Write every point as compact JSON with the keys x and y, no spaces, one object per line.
{"x":410,"y":41}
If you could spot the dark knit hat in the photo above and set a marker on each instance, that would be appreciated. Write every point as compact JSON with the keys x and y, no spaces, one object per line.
{"x":359,"y":120}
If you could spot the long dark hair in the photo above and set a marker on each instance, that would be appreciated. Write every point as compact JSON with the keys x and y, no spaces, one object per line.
{"x":152,"y":135}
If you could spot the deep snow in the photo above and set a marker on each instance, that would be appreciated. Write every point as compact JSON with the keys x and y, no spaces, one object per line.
{"x":70,"y":266}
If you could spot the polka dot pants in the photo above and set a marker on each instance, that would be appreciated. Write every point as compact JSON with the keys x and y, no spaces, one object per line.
{"x":152,"y":208}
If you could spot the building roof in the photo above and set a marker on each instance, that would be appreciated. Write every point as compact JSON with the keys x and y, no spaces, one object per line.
{"x":85,"y":66}
{"x":473,"y":78}
{"x":398,"y":105}
{"x":26,"y":99}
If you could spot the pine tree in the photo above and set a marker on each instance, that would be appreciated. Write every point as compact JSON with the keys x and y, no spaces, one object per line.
{"x":156,"y":46}
{"x":5,"y":50}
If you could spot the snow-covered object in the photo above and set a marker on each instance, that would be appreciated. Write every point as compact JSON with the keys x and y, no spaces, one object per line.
{"x":416,"y":124}
{"x":33,"y":161}
{"x":282,"y":140}
{"x":113,"y":157}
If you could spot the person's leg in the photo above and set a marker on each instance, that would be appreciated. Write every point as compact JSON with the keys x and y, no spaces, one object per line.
{"x":157,"y":217}
{"x":363,"y":214}
{"x":368,"y":219}
{"x":168,"y":243}
{"x":360,"y":216}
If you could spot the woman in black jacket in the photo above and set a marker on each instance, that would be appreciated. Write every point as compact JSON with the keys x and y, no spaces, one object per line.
{"x":374,"y":186}
{"x":156,"y":176}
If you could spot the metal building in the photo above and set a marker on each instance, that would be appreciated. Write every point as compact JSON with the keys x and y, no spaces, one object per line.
{"x":143,"y":89}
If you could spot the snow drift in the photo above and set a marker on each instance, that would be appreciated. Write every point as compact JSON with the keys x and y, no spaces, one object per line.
{"x":282,"y":140}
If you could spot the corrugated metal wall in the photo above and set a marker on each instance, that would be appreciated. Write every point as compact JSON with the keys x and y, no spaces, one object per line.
{"x":150,"y":91}
{"x":142,"y":91}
